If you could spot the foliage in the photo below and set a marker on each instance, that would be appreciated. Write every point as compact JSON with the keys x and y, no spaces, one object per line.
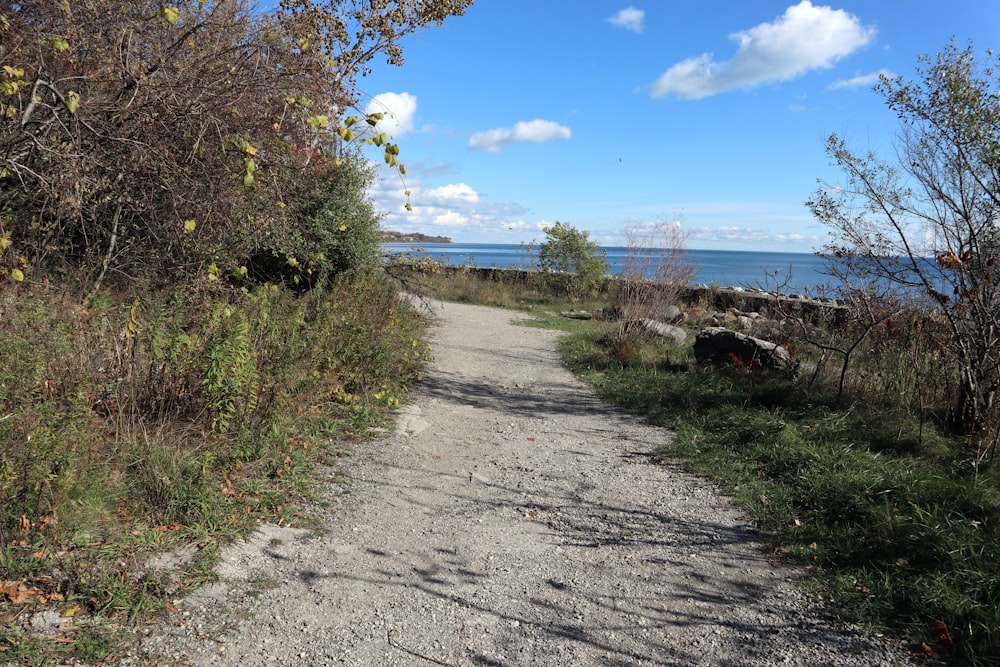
{"x":147,"y":141}
{"x":334,"y":229}
{"x":925,"y":221}
{"x":571,"y":263}
{"x":176,"y":417}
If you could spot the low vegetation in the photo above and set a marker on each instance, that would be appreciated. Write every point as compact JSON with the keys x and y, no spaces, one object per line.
{"x":861,"y":483}
{"x":174,"y":419}
{"x":193,"y":313}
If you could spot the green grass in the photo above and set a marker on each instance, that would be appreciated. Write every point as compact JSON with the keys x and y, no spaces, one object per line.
{"x":896,"y":524}
{"x":896,"y":534}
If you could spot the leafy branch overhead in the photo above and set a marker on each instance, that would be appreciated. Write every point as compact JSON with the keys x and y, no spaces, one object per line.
{"x":142,"y":139}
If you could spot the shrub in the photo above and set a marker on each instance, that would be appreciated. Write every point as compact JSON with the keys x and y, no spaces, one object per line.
{"x":571,"y":263}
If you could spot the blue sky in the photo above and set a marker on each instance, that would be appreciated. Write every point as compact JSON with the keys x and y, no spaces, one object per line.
{"x":608,"y":114}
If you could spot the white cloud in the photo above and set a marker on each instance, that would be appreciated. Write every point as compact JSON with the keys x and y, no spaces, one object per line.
{"x":804,"y":38}
{"x":534,"y":131}
{"x":863,"y":81}
{"x":399,"y":110}
{"x":452,"y":194}
{"x":438,"y":209}
{"x":629,"y":18}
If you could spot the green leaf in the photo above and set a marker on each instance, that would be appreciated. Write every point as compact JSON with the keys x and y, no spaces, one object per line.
{"x":350,"y":120}
{"x":189,"y":225}
{"x":213,"y":272}
{"x":72,"y":101}
{"x":319,"y":121}
{"x":408,"y":207}
{"x":59,"y":44}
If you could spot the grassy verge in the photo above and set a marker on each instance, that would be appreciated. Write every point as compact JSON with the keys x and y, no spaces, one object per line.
{"x":894,"y":521}
{"x":896,"y":532}
{"x":154,"y":421}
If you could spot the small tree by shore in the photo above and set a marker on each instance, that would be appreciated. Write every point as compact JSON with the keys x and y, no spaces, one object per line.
{"x":926,"y":221}
{"x":571,"y":263}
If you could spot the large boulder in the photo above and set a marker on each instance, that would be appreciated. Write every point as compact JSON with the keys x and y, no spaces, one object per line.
{"x":722,"y":346}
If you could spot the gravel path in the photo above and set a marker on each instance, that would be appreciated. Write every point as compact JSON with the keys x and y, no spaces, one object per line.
{"x":511,"y":520}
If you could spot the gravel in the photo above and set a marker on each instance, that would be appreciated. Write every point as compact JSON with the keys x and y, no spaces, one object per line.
{"x":510,"y":519}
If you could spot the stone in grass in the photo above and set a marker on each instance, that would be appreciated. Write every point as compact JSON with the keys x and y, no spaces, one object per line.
{"x":674,"y":334}
{"x":722,"y":346}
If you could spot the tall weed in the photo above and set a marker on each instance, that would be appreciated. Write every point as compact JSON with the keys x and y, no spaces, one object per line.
{"x":160,"y":417}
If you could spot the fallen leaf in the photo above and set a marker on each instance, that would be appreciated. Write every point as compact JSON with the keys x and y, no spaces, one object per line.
{"x":531,"y":439}
{"x":532,"y":513}
{"x":813,"y":546}
{"x":71,"y":611}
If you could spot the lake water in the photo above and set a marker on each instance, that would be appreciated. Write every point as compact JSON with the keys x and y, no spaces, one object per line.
{"x":802,"y":271}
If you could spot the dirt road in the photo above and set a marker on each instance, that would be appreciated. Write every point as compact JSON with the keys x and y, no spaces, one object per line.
{"x":511,"y":520}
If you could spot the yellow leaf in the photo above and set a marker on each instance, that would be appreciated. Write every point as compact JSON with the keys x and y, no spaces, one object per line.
{"x":408,"y":207}
{"x":342,"y":227}
{"x":170,"y":15}
{"x":59,"y":44}
{"x":8,"y":87}
{"x":4,"y":242}
{"x":189,"y":225}
{"x":72,"y":101}
{"x":71,"y":611}
{"x":318,"y":121}
{"x":213,"y":272}
{"x":13,"y":72}
{"x":16,"y":275}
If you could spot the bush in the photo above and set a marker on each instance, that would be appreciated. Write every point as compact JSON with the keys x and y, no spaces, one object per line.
{"x":571,"y":264}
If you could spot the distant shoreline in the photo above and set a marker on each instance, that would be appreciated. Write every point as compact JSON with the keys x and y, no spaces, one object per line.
{"x":414,"y":237}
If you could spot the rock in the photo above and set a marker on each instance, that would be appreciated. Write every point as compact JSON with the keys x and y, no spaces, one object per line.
{"x":745,"y":323}
{"x":664,"y":330}
{"x":671,"y":314}
{"x":722,"y":346}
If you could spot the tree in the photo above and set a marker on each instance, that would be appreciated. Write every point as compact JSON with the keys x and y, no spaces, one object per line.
{"x":925,"y":221}
{"x":149,"y":141}
{"x":570,"y":262}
